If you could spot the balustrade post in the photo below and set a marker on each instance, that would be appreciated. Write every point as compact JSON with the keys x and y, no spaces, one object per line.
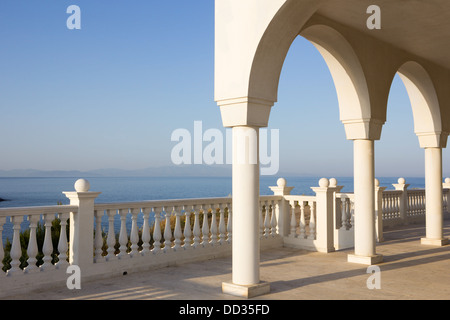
{"x":401,"y":186}
{"x":324,"y":216}
{"x":283,"y":214}
{"x":81,"y":243}
{"x":379,"y":209}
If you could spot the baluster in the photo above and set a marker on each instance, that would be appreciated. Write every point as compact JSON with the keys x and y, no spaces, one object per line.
{"x":261,"y":221}
{"x":420,"y":204}
{"x":230,"y":223}
{"x":145,"y":232}
{"x":222,"y":226}
{"x":293,"y":233}
{"x":177,"y":232}
{"x":134,"y":235}
{"x":416,"y":203}
{"x":2,"y":252}
{"x":47,"y":248}
{"x":32,"y":249}
{"x":390,"y":206}
{"x":273,"y":219}
{"x":157,"y":236}
{"x":98,"y":240}
{"x":63,"y":246}
{"x":16,"y":251}
{"x":302,"y":234}
{"x":167,"y":231}
{"x":387,"y":207}
{"x":187,"y":229}
{"x":423,"y":203}
{"x":267,"y":220}
{"x":312,"y":221}
{"x":352,"y":214}
{"x":397,"y":202}
{"x":111,"y":239}
{"x":409,"y":205}
{"x":214,"y":236}
{"x":392,"y":214}
{"x":344,"y":213}
{"x":205,"y":228}
{"x":196,"y":226}
{"x":123,"y":236}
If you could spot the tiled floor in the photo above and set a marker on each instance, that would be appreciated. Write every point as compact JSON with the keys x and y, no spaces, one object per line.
{"x":409,"y":271}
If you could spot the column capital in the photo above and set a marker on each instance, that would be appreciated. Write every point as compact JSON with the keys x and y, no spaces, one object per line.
{"x":245,"y":111}
{"x":363,"y":129}
{"x":432,"y":139}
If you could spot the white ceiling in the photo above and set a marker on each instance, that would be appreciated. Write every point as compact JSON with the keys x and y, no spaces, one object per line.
{"x":421,"y":27}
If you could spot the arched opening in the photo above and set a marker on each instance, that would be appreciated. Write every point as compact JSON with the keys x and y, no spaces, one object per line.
{"x":320,"y":83}
{"x":312,"y":139}
{"x":424,"y":100}
{"x":398,"y":153}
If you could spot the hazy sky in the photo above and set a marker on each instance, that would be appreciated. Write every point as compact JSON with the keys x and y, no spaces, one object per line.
{"x":110,"y":95}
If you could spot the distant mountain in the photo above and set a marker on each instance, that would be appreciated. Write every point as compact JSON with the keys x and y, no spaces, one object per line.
{"x":166,"y":171}
{"x":31,"y":173}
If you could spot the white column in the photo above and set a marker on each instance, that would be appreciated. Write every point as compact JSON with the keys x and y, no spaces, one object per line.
{"x":245,"y":192}
{"x":433,"y":198}
{"x":364,"y":188}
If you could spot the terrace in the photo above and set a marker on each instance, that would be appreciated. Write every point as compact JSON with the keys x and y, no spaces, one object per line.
{"x":173,"y":246}
{"x":313,"y":242}
{"x":410,"y":271}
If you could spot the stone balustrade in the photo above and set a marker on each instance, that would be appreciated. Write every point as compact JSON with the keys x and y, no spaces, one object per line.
{"x":113,"y":239}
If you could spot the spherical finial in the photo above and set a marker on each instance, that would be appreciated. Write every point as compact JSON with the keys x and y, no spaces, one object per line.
{"x":377,"y":182}
{"x":281,"y":182}
{"x":447,"y":180}
{"x":324,"y":183}
{"x":401,"y":181}
{"x":82,"y":185}
{"x":333,"y":182}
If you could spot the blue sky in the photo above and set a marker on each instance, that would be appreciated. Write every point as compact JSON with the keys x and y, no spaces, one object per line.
{"x":110,"y":95}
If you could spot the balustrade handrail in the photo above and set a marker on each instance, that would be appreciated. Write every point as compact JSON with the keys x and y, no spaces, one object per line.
{"x":393,"y":191}
{"x":161,"y":203}
{"x":29,"y":211}
{"x":293,"y":197}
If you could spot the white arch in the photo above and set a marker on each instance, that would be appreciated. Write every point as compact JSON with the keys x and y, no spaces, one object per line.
{"x":424,"y":104}
{"x":346,"y":70}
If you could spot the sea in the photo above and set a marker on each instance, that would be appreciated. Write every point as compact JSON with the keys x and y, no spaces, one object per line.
{"x":46,"y":191}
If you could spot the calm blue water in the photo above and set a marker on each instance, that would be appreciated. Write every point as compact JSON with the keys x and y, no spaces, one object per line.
{"x":23,"y":192}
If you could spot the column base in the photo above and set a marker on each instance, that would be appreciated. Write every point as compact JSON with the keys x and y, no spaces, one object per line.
{"x":434,"y":242}
{"x":244,"y":291}
{"x":366,"y":260}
